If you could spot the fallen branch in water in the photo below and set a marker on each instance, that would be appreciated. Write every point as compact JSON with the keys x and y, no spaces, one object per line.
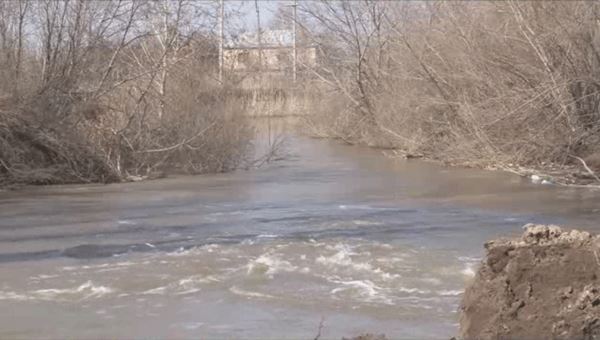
{"x":275,"y":152}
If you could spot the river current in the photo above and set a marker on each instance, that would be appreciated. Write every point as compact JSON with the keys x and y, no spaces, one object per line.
{"x":333,"y":234}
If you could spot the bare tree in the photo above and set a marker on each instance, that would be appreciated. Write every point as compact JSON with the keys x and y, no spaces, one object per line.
{"x":483,"y":83}
{"x":106,"y":91}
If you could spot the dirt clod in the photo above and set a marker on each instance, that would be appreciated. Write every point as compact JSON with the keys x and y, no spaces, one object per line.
{"x":543,"y":285}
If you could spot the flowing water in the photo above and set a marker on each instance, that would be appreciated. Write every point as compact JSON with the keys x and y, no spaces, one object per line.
{"x":334,"y":234}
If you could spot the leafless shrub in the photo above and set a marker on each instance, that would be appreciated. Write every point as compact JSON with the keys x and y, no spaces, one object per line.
{"x":110,"y":90}
{"x":483,"y":82}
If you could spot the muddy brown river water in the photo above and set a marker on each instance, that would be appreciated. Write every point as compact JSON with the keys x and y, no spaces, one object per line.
{"x":333,"y":232}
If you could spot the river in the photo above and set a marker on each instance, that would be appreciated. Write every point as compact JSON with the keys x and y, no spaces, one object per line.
{"x":333,"y":234}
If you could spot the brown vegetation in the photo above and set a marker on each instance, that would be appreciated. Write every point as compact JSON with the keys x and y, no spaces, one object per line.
{"x":499,"y":84}
{"x":110,"y":90}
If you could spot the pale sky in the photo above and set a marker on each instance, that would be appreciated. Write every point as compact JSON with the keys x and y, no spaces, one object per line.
{"x":246,"y":7}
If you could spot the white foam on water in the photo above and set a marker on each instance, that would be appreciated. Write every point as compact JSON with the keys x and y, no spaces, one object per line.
{"x":385,"y":245}
{"x":469,"y":259}
{"x":269,"y":264}
{"x":182,"y":252}
{"x":238,"y":291}
{"x":343,"y":258}
{"x":155,"y":291}
{"x":348,"y":262}
{"x":100,"y":266}
{"x":192,"y":284}
{"x":366,"y":287}
{"x":88,"y":289}
{"x":358,"y":207}
{"x":365,"y":223}
{"x":209,"y":248}
{"x":190,"y":326}
{"x":413,"y":290}
{"x":195,"y":279}
{"x":340,"y":258}
{"x":42,"y":277}
{"x":450,"y":292}
{"x":195,"y":251}
{"x":385,"y":276}
{"x":188,"y":291}
{"x":14,"y":296}
{"x":267,"y":236}
{"x":468,"y":271}
{"x":366,"y":290}
{"x":84,"y":291}
{"x":470,"y":265}
{"x":126,"y":222}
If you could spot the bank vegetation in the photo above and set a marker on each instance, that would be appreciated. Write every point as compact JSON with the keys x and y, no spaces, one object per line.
{"x":102,"y":91}
{"x":511,"y":85}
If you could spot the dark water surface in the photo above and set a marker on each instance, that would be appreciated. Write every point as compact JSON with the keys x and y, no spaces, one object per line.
{"x":335,"y":232}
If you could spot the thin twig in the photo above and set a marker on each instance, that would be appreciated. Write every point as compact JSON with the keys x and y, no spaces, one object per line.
{"x":587,"y":168}
{"x":320,"y":328}
{"x":182,"y":143}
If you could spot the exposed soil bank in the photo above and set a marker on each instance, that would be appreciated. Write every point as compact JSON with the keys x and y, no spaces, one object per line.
{"x":543,"y":285}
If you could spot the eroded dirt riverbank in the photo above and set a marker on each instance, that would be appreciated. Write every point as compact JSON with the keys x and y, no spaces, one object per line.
{"x":543,"y":285}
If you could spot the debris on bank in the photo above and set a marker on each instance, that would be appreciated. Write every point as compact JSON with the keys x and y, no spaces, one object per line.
{"x":543,"y":285}
{"x":578,"y":175}
{"x":540,"y":180}
{"x":564,"y":175}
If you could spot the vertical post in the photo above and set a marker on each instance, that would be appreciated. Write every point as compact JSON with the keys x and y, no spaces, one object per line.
{"x":260,"y":65}
{"x":22,"y":12}
{"x":221,"y":38}
{"x":259,"y":36}
{"x":295,"y":50}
